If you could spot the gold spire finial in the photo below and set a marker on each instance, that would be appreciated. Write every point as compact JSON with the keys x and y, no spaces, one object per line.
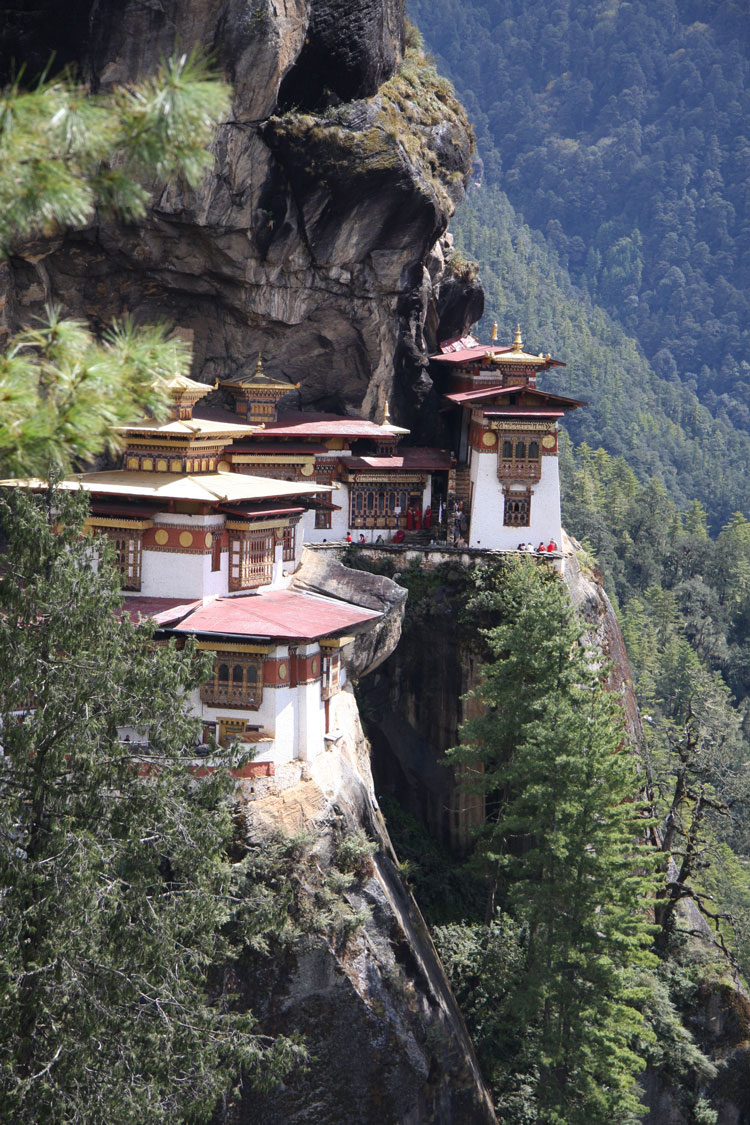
{"x":494,"y":333}
{"x":518,"y":340}
{"x":259,"y":365}
{"x":386,"y":415}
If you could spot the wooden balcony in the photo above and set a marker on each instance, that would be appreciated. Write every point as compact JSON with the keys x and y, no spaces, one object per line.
{"x":519,"y":470}
{"x":229,"y":695}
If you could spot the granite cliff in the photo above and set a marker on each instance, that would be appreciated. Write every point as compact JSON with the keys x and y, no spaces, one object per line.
{"x":317,"y":237}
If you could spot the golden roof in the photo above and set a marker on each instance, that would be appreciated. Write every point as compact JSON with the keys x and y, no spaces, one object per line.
{"x":208,"y":488}
{"x":181,"y":385}
{"x":259,"y":379}
{"x":517,"y":355}
{"x":192,"y":427}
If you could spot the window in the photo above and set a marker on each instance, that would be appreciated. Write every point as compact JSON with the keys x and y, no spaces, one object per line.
{"x":518,"y":459}
{"x":378,"y":506}
{"x":128,"y":556}
{"x":232,"y":730}
{"x":239,"y":684}
{"x":330,"y":680}
{"x":216,"y":553}
{"x":288,"y":551}
{"x":322,"y":516}
{"x":251,"y":556}
{"x":517,"y":509}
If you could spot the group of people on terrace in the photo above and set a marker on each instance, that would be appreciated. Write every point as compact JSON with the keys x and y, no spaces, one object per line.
{"x":542,"y":549}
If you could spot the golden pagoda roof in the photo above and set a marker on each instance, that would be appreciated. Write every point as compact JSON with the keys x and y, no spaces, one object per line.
{"x":259,"y":379}
{"x":517,"y":355}
{"x":191,"y":427}
{"x":181,"y":386}
{"x":183,"y":383}
{"x":207,"y":488}
{"x":386,"y":424}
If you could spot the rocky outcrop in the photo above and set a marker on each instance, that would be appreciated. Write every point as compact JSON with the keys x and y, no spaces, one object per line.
{"x":321,"y":573}
{"x":603,"y":632}
{"x":387,"y":1042}
{"x":415,"y":703}
{"x":334,"y":178}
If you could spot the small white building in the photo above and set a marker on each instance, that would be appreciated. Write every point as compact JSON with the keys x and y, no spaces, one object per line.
{"x":506,"y":489}
{"x":277,"y":669}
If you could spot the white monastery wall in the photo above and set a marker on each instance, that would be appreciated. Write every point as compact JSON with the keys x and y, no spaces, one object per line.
{"x":174,"y":574}
{"x":488,"y":506}
{"x":310,"y":712}
{"x":486,"y":502}
{"x":546,"y":522}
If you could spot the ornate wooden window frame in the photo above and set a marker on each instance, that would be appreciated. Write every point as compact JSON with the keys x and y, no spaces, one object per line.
{"x":378,"y":505}
{"x":517,"y":508}
{"x":251,"y":558}
{"x":322,"y":515}
{"x":289,"y":543}
{"x":519,"y":456}
{"x":330,"y":669}
{"x":237,"y":682}
{"x":128,"y":544}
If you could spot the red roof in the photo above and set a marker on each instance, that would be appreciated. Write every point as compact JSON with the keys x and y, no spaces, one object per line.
{"x":458,"y":344}
{"x":471,"y":354}
{"x":498,"y":392}
{"x":276,"y":615}
{"x":304,"y":423}
{"x":162,"y":611}
{"x":409,"y":459}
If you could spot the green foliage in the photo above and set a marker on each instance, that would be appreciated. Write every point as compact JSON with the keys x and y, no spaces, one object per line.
{"x":355,"y":853}
{"x":620,"y":132}
{"x":559,"y":849}
{"x":119,"y":901}
{"x":286,"y":895}
{"x":65,"y":151}
{"x":483,"y":964}
{"x":62,"y":392}
{"x":447,"y":892}
{"x":461,"y":267}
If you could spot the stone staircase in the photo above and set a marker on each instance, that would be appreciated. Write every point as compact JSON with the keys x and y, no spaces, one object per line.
{"x":463,"y":484}
{"x":419,"y":538}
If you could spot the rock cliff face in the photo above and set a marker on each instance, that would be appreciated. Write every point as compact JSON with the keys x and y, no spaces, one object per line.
{"x":413,"y":704}
{"x":603,"y":633}
{"x":311,"y":239}
{"x":387,"y":1041}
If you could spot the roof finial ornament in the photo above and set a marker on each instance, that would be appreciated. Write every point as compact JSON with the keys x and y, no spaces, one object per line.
{"x":259,"y":365}
{"x":386,"y":414}
{"x":494,"y":333}
{"x":518,"y":340}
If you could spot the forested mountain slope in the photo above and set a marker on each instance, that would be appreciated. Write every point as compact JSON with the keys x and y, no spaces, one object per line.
{"x":657,"y":423}
{"x":618,"y":132}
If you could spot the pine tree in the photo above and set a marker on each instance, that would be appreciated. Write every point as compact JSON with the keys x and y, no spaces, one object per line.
{"x":64,"y":154}
{"x":560,"y":849}
{"x":115,"y":965}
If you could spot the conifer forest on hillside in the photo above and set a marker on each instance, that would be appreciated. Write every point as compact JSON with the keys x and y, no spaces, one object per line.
{"x":608,"y":214}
